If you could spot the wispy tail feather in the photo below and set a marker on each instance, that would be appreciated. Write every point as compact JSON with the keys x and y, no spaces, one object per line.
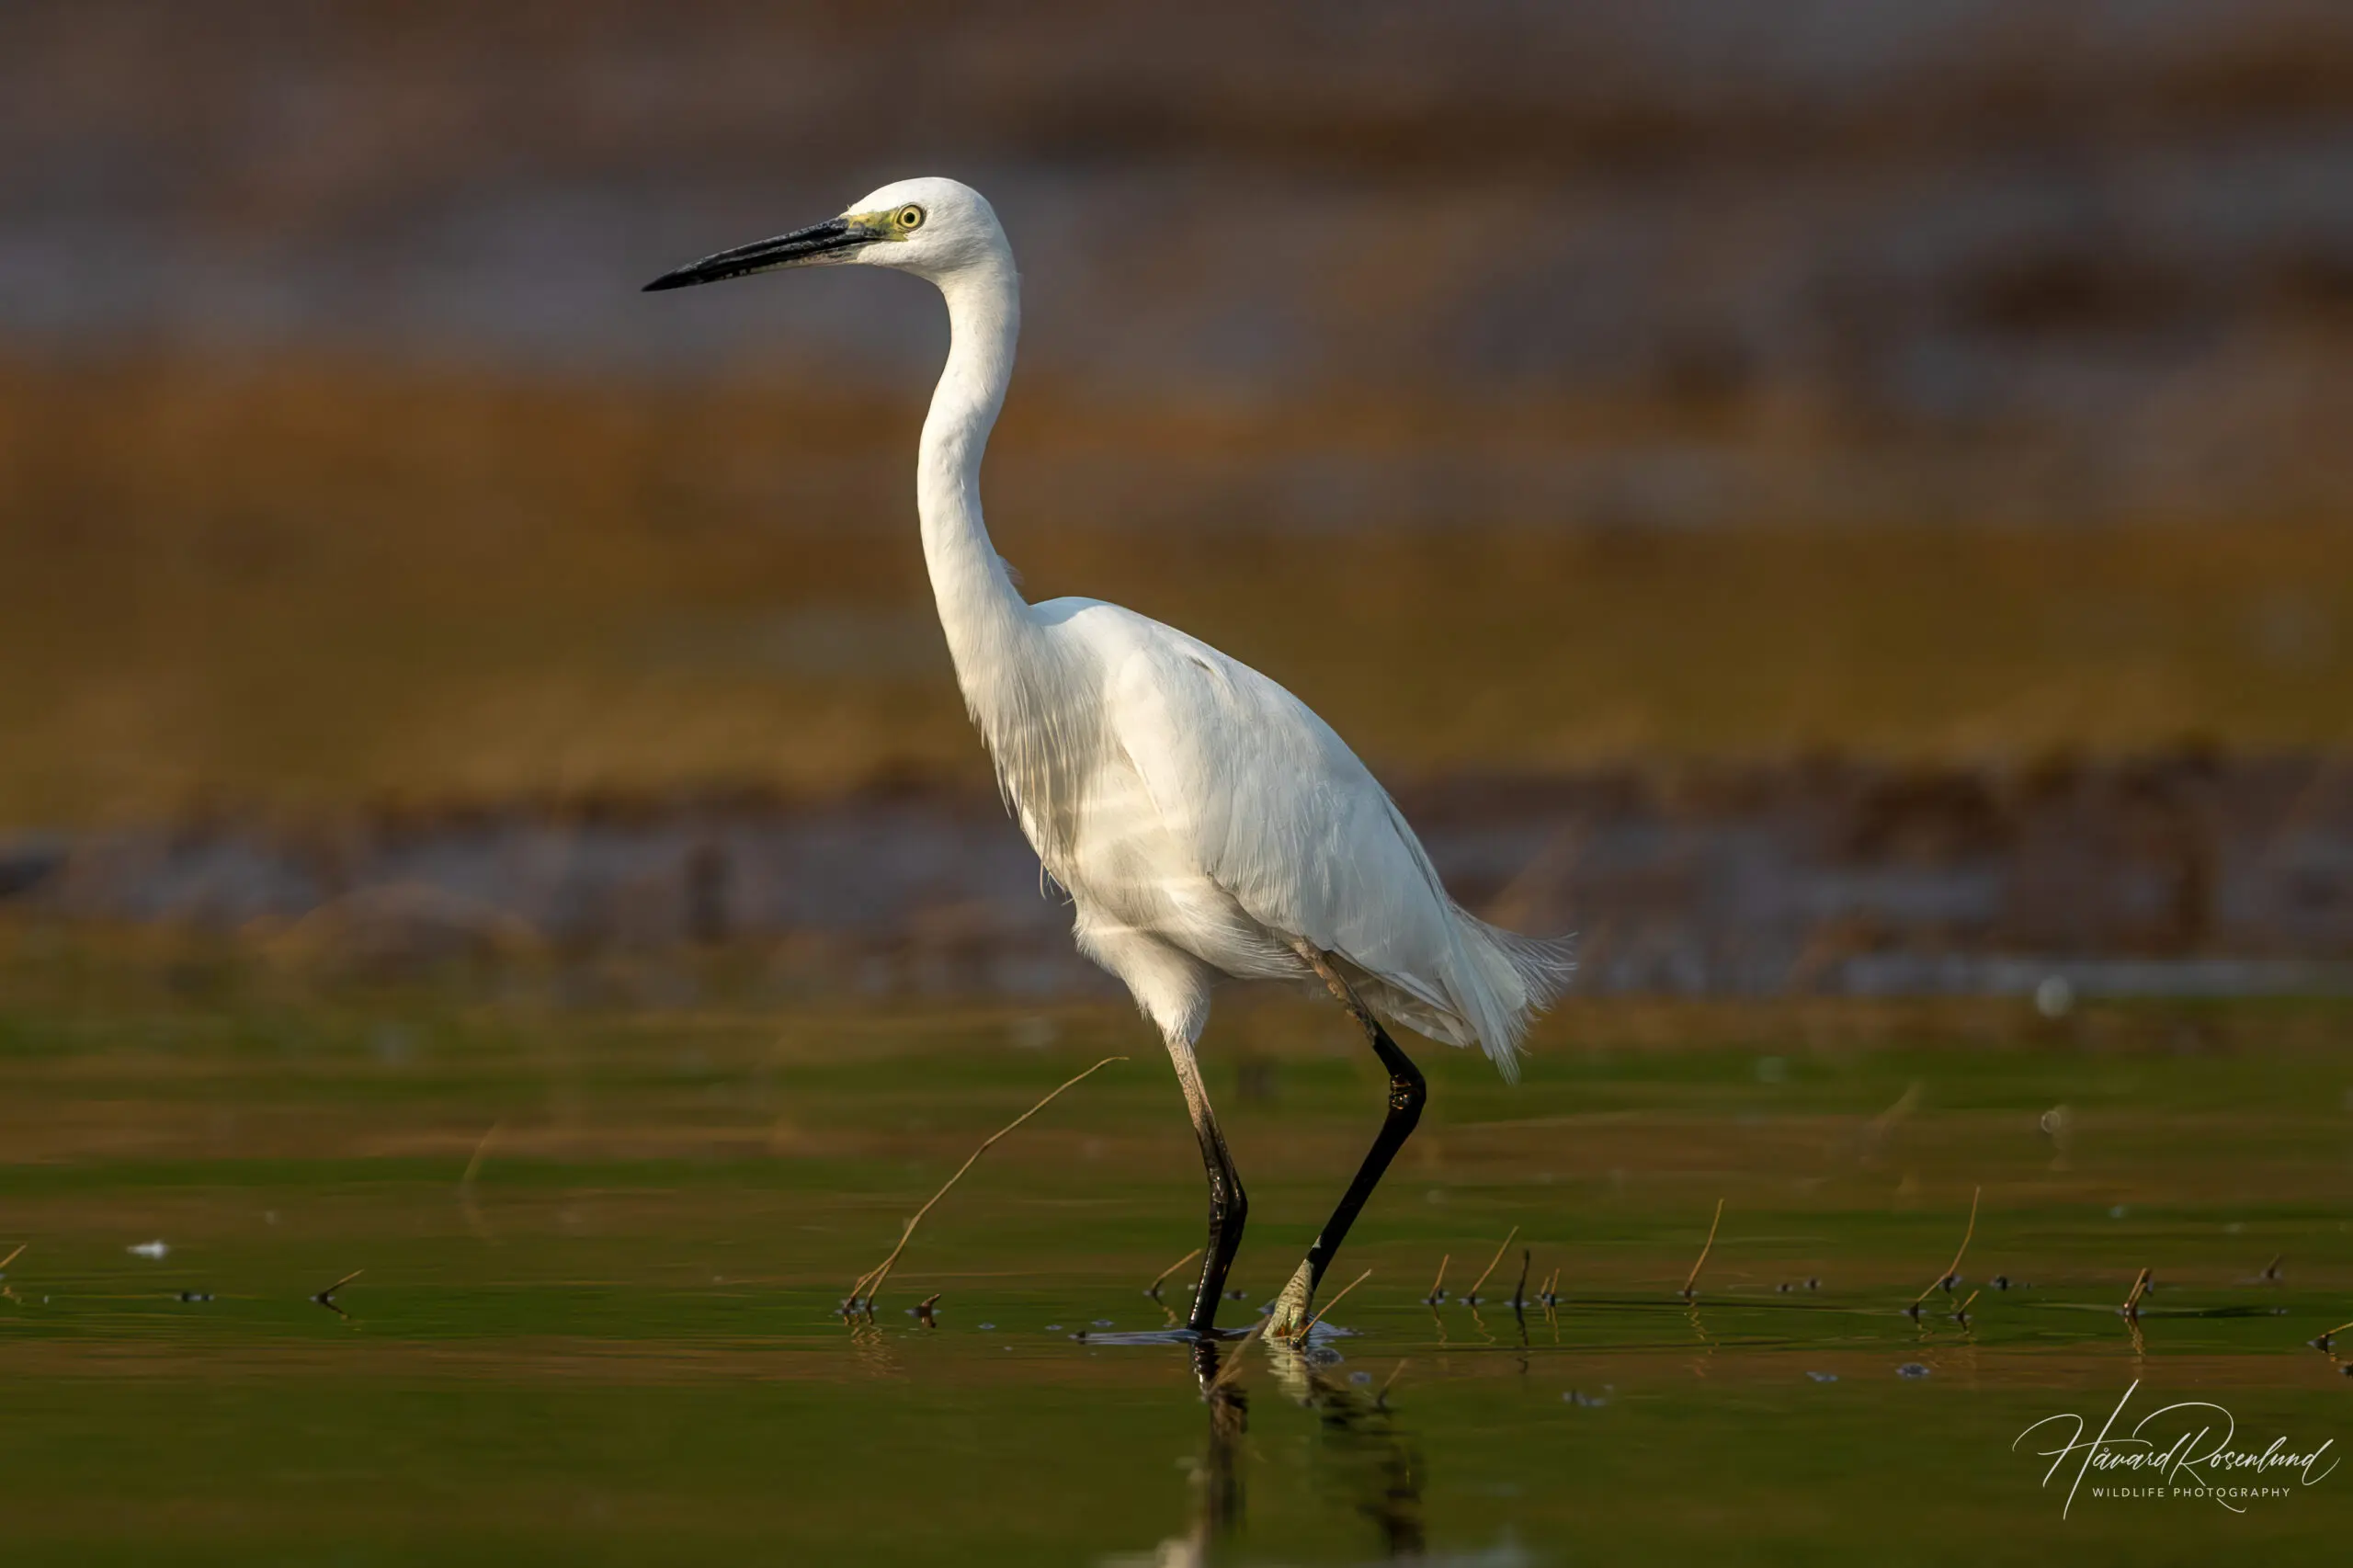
{"x":1486,"y":993}
{"x":1509,"y":980}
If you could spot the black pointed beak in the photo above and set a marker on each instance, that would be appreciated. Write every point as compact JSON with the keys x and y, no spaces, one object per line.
{"x":802,"y":246}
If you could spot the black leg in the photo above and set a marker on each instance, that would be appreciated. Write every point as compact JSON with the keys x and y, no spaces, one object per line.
{"x":1229,"y":1210}
{"x":1407,"y":1092}
{"x":1229,"y":1205}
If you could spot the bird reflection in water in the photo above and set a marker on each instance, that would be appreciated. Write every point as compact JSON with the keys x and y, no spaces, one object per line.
{"x":1361,"y":1455}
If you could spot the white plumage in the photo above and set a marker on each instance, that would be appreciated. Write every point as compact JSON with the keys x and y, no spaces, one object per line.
{"x":1202,"y":819}
{"x":1222,"y":819}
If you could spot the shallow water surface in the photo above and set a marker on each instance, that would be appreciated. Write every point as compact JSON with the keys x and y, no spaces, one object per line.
{"x":599,"y":1260}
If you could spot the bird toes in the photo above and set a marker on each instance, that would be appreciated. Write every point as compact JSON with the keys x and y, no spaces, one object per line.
{"x":1294,"y":1308}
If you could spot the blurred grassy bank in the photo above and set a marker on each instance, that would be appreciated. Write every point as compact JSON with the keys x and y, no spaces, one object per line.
{"x":310,"y":585}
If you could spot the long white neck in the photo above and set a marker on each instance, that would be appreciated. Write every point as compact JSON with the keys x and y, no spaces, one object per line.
{"x":989,"y":626}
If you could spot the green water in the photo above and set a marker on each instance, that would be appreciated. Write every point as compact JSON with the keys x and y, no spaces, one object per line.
{"x":615,"y":1340}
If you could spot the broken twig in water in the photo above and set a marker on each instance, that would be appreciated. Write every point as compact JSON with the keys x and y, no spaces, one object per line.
{"x":1952,"y":1272}
{"x":12,"y":1257}
{"x":2324,"y":1342}
{"x":871,"y":1282}
{"x":1438,"y":1286}
{"x":326,"y":1297}
{"x":1152,"y":1289}
{"x":1301,"y":1336}
{"x":1520,"y":1292}
{"x":1691,"y":1281}
{"x":2132,"y":1308}
{"x":1471,"y":1295}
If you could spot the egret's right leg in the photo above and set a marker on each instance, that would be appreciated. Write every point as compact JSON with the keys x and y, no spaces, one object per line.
{"x":1229,"y":1205}
{"x":1406,"y":1093}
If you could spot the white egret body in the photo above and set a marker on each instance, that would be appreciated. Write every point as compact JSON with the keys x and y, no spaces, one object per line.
{"x":1203,"y":820}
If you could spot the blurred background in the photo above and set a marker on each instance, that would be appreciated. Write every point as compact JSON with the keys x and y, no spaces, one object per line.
{"x":1821,"y":497}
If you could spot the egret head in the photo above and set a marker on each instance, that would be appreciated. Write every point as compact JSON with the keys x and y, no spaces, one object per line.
{"x":929,"y":227}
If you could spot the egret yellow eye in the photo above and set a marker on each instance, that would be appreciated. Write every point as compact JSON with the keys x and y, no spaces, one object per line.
{"x":908,"y":218}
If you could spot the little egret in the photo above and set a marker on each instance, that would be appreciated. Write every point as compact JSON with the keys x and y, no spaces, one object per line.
{"x":1202,"y":820}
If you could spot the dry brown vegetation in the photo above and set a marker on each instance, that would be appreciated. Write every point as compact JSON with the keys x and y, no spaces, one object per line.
{"x":314,"y":584}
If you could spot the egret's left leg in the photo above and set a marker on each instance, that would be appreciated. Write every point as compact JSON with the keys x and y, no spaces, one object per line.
{"x":1406,"y":1093}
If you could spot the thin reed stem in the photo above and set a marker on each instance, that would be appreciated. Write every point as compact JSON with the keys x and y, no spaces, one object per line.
{"x":1954,"y":1268}
{"x":1153,"y":1289}
{"x":1471,"y":1295}
{"x":871,"y":1282}
{"x":1691,"y":1280}
{"x":1310,"y":1328}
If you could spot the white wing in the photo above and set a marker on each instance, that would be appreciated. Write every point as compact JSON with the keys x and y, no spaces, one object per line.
{"x":1272,"y":806}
